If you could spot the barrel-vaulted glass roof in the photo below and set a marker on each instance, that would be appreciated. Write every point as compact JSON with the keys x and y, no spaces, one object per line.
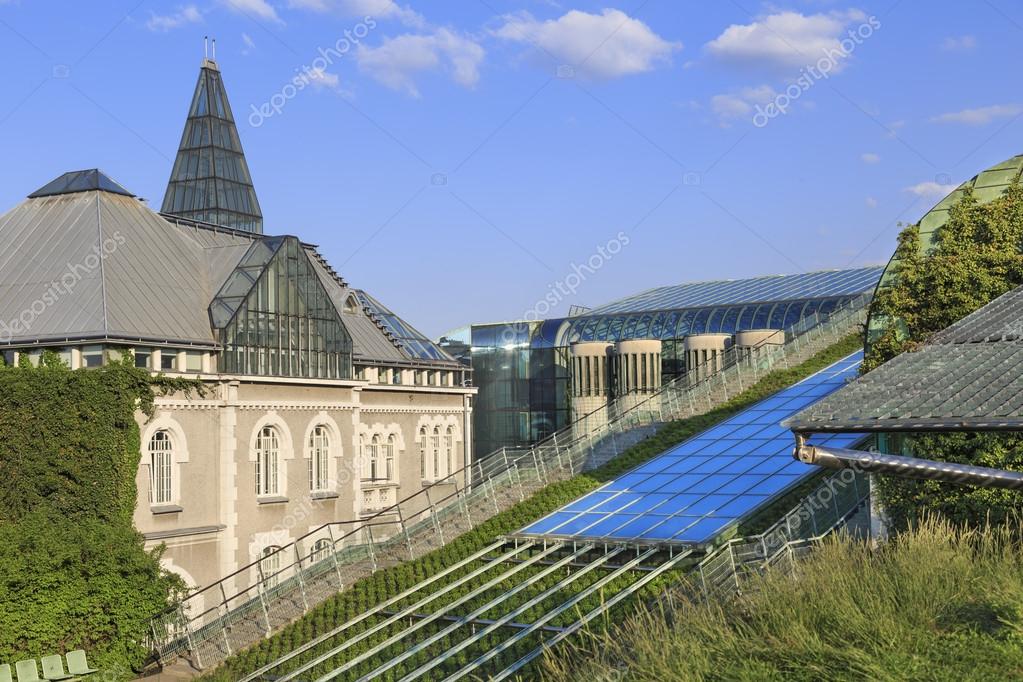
{"x":821,"y":284}
{"x":721,"y":307}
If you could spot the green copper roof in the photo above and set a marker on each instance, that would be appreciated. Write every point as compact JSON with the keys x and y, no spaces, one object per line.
{"x":210,"y":181}
{"x":987,"y":186}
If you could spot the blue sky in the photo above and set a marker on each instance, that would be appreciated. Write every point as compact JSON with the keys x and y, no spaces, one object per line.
{"x":460,"y":160}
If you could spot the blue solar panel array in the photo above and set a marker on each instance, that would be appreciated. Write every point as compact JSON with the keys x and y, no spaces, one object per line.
{"x":694,"y":491}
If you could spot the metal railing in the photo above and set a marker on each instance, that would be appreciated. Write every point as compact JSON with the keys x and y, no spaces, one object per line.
{"x":724,"y":572}
{"x":212,"y":623}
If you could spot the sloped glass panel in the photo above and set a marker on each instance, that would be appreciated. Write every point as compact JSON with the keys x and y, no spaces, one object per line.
{"x":285,"y":323}
{"x":210,"y":181}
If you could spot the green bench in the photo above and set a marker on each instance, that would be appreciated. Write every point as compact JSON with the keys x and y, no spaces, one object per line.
{"x":53,"y":669}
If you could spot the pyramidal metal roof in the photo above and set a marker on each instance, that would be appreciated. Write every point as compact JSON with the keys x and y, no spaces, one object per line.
{"x":82,"y":260}
{"x":210,"y":180}
{"x":80,"y":181}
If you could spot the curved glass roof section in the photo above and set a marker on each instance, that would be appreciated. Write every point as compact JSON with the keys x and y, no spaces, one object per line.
{"x":412,"y":340}
{"x":757,"y":289}
{"x":676,"y":324}
{"x":987,"y":186}
{"x":722,"y":307}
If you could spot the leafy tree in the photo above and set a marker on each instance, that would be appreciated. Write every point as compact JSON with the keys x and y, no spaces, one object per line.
{"x":975,"y":257}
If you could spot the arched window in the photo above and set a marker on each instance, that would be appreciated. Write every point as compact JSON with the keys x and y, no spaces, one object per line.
{"x":373,"y":459}
{"x":422,"y":452}
{"x":269,"y":565}
{"x":435,"y":446}
{"x":389,"y":458}
{"x":268,"y":455}
{"x":449,"y":446}
{"x":161,"y":463}
{"x":319,"y":459}
{"x":321,"y":550}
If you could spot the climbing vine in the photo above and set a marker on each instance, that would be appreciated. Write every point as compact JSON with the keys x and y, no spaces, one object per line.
{"x":74,"y":572}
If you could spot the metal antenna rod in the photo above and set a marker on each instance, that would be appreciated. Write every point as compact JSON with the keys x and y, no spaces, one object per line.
{"x":206,"y":46}
{"x":214,"y":49}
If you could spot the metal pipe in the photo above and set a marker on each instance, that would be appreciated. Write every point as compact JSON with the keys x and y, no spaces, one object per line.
{"x":907,"y":467}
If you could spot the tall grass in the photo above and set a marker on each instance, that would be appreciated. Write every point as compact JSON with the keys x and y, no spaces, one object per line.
{"x":938,"y":602}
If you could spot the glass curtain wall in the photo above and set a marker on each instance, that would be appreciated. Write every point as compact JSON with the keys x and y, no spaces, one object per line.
{"x":275,"y":318}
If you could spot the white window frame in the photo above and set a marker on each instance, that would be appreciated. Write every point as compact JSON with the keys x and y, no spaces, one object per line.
{"x":161,"y":468}
{"x":423,"y":444}
{"x":268,"y":462}
{"x":319,"y":458}
{"x":270,"y":566}
{"x":435,"y":448}
{"x":388,"y":458}
{"x":449,"y":445}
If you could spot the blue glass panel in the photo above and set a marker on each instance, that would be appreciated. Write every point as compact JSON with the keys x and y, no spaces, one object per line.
{"x":703,"y":530}
{"x":726,"y":472}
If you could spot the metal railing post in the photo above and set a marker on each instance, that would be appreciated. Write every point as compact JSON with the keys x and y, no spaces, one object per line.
{"x":465,"y":505}
{"x":433,"y":515}
{"x":372,"y":550}
{"x":298,"y":575}
{"x":408,"y":538}
{"x":188,"y":636}
{"x":333,"y":554}
{"x":260,"y":590}
{"x":223,"y":620}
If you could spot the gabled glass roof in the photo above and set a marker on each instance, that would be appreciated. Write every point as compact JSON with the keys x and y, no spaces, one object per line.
{"x":411,"y":340}
{"x":80,"y":181}
{"x":275,"y":318}
{"x":210,"y":181}
{"x":754,"y":290}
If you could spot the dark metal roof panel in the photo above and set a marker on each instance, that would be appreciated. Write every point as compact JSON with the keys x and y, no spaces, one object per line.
{"x":968,"y":377}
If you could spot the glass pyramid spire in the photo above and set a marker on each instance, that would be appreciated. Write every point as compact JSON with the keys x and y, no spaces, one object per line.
{"x":210,"y":181}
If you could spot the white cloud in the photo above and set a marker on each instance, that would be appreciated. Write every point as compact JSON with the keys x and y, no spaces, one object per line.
{"x":869,"y":157}
{"x":980,"y":116}
{"x":930,"y":189}
{"x":324,"y":80}
{"x":189,"y":14}
{"x":739,"y":104}
{"x":397,"y":61}
{"x":785,"y":39}
{"x":607,"y":45}
{"x":260,"y":9}
{"x":378,"y":9}
{"x":959,"y":43}
{"x":871,"y":202}
{"x":249,"y":43}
